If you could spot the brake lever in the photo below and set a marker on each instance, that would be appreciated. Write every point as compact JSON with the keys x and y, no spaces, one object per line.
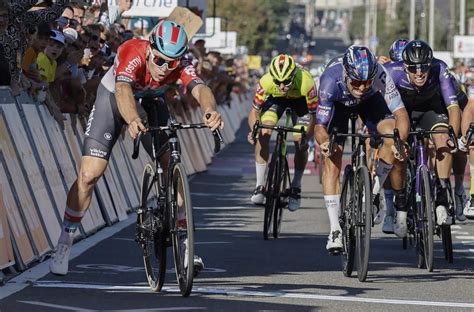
{"x":136,"y":145}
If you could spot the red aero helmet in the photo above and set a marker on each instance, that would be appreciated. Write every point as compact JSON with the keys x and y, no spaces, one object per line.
{"x":169,"y":38}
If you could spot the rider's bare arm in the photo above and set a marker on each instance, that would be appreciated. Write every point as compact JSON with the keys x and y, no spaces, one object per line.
{"x":126,"y":102}
{"x":454,"y":114}
{"x":402,"y":122}
{"x":206,"y":99}
{"x":467,"y":116}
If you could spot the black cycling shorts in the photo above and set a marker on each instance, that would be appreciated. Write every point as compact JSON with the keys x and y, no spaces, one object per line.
{"x":428,"y":120}
{"x":105,"y":123}
{"x":371,"y":110}
{"x":274,"y":107}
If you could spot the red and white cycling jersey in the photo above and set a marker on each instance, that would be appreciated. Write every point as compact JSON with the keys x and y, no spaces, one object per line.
{"x":130,"y":66}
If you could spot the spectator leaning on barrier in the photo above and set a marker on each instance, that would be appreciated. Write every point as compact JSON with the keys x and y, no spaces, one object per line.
{"x":13,"y":33}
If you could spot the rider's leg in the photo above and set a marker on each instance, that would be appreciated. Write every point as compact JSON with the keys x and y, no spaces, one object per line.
{"x":78,"y":201}
{"x":459,"y":166}
{"x":268,"y":117}
{"x":301,"y":158}
{"x":443,"y":167}
{"x":397,"y":175}
{"x":332,"y":194}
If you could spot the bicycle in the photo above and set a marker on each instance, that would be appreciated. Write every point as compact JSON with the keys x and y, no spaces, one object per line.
{"x":165,"y":216}
{"x":421,"y":219}
{"x":278,"y":177}
{"x":356,"y":216}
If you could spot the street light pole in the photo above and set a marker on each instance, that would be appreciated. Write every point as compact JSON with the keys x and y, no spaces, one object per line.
{"x":462,"y":18}
{"x":431,"y":25}
{"x":412,"y":19}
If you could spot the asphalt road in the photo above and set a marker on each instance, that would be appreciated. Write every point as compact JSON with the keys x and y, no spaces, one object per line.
{"x":244,"y":272}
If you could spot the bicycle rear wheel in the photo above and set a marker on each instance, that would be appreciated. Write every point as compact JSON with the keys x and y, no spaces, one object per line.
{"x":426,"y":216}
{"x":270,"y":195}
{"x":447,"y":242}
{"x":281,"y":202}
{"x":152,"y":230}
{"x":364,"y":222}
{"x":182,"y":232}
{"x":345,"y":220}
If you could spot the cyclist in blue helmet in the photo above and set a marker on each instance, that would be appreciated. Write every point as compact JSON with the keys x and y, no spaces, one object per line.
{"x":360,"y":65}
{"x":139,"y":65}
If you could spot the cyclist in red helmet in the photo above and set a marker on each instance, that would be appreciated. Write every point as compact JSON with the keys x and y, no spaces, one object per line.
{"x":140,"y":65}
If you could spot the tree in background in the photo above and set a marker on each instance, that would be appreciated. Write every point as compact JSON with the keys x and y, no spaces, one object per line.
{"x":257,"y":22}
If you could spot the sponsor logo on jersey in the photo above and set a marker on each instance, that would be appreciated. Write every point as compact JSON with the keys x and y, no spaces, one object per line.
{"x":97,"y":152}
{"x":133,"y":64}
{"x":89,"y":121}
{"x":323,"y":110}
{"x":123,"y":78}
{"x":107,"y":136}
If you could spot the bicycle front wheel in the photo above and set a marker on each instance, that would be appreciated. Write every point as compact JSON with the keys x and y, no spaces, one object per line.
{"x":364,"y":222}
{"x":346,"y":222}
{"x":426,"y":216}
{"x":270,"y":195}
{"x":182,"y":225}
{"x":281,"y":202}
{"x":447,"y":242}
{"x":151,"y":229}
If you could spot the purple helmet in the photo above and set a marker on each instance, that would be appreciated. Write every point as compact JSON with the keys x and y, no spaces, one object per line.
{"x":396,"y":49}
{"x":169,"y":38}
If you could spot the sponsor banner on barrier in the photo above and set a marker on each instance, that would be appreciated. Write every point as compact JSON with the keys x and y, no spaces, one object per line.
{"x":6,"y":251}
{"x":24,"y":202}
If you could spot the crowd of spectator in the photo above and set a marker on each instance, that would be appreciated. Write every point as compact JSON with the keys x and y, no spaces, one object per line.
{"x":66,"y":53}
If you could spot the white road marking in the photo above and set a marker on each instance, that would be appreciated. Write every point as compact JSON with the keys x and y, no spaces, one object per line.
{"x":246,"y":293}
{"x":195,"y":243}
{"x":38,"y":271}
{"x":224,"y":208}
{"x":455,"y":226}
{"x":459,"y":232}
{"x":220,"y":194}
{"x":465,"y":237}
{"x":306,"y":171}
{"x":64,"y":307}
{"x":464,"y":250}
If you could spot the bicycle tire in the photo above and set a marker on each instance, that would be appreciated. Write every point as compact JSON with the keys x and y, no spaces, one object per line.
{"x":427,"y":219}
{"x":281,"y":203}
{"x":184,"y":265}
{"x":154,"y":237}
{"x":270,"y":196}
{"x":364,"y":222}
{"x":447,"y":242}
{"x":345,"y":220}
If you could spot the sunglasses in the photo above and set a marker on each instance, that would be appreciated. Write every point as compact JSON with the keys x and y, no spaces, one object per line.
{"x":160,"y":62}
{"x":418,"y":67}
{"x":358,"y":83}
{"x":286,"y":82}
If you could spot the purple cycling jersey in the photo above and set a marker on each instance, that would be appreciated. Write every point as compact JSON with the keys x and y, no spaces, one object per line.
{"x":439,"y":82}
{"x":333,"y":91}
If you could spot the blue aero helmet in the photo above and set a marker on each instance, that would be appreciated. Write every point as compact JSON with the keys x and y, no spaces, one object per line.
{"x":359,"y":63}
{"x":396,"y":49}
{"x":169,"y":38}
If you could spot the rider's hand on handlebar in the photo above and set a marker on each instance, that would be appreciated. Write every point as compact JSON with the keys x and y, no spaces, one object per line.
{"x":214,"y":121}
{"x":135,"y":126}
{"x":250,"y":138}
{"x":325,"y":149}
{"x":462,"y":144}
{"x":400,"y":155}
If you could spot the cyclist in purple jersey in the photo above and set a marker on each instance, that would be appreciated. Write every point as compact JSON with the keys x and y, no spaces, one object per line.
{"x":356,"y":83}
{"x":467,"y":119}
{"x":430,"y":96}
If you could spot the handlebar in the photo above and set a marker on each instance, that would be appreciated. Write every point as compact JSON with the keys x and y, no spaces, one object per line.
{"x":281,"y":129}
{"x":450,"y":131}
{"x":470,"y":134}
{"x":174,"y":127}
{"x":373,"y":136}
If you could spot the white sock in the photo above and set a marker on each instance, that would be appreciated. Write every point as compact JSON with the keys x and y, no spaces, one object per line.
{"x":458,"y":184}
{"x":260,"y":172}
{"x":333,"y":205}
{"x":66,"y":237}
{"x":297,"y":178}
